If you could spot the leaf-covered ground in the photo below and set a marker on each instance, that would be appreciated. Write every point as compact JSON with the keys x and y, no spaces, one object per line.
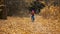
{"x":23,"y":25}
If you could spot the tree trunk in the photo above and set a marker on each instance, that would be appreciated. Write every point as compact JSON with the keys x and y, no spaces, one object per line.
{"x":3,"y":12}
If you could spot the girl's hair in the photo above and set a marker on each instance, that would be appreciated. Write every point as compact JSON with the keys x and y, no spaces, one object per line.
{"x":32,"y":10}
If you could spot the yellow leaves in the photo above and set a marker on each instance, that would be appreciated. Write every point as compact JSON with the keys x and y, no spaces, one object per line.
{"x":52,"y":12}
{"x":17,"y":25}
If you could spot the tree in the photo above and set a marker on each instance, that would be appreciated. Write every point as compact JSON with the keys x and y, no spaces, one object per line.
{"x":3,"y":12}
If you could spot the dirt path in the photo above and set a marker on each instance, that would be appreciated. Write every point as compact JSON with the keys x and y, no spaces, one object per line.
{"x":17,"y":25}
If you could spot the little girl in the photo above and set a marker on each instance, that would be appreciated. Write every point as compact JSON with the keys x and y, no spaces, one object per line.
{"x":32,"y":15}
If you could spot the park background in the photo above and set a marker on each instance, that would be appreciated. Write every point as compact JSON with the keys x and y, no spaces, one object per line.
{"x":16,"y":18}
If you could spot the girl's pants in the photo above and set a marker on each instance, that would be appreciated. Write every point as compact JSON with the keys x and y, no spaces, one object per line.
{"x":33,"y":18}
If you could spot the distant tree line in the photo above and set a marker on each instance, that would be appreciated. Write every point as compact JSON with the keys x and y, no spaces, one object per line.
{"x":13,"y":6}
